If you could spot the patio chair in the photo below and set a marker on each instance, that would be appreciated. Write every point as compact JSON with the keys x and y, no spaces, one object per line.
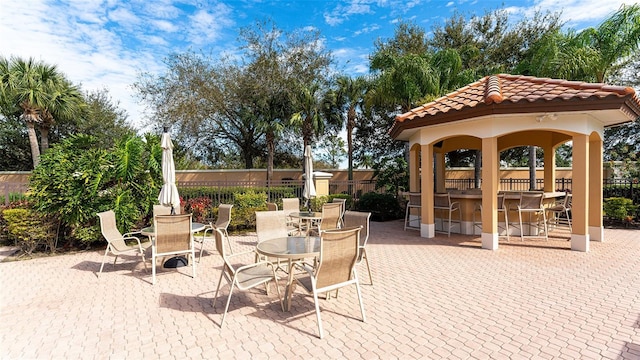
{"x":291,"y":205}
{"x":343,"y":208}
{"x":442,"y":202}
{"x":561,"y":213}
{"x":331,"y":216}
{"x":173,"y":237}
{"x":531,"y":204}
{"x":272,"y":206}
{"x":502,"y":209}
{"x":243,"y":277}
{"x":222,"y":223}
{"x":415,"y":201}
{"x":270,"y":225}
{"x":362,"y":219}
{"x":116,"y":242}
{"x":335,"y":267}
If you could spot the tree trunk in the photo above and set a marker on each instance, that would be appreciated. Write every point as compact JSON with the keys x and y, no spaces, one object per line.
{"x":33,"y":141}
{"x":271,"y":146}
{"x":44,"y":139}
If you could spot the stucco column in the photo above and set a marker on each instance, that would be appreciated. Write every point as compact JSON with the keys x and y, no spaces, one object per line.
{"x":414,"y":168}
{"x":580,"y":190}
{"x":490,"y":179}
{"x":427,"y":226}
{"x":596,"y":227}
{"x":549,"y":168}
{"x":440,"y":172}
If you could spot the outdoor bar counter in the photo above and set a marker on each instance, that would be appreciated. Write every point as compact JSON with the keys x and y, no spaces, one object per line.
{"x":469,"y":201}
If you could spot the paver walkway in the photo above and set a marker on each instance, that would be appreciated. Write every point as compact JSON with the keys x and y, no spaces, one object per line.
{"x":438,"y":298}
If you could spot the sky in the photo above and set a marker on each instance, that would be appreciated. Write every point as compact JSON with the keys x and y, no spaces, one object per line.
{"x":109,"y":43}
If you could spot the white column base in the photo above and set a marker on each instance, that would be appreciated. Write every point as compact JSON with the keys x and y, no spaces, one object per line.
{"x":428,"y":230}
{"x":490,"y":241}
{"x":580,"y":242}
{"x":596,"y":233}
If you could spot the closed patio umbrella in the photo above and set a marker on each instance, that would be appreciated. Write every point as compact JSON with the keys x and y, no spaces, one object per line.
{"x":169,"y":193}
{"x":309,"y":187}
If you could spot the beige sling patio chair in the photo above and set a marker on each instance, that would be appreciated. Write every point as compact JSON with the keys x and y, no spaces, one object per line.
{"x":335,"y":267}
{"x":356,"y":219}
{"x":270,"y":225}
{"x":561,"y":213}
{"x":116,"y":242}
{"x":415,"y":202}
{"x":222,"y":223}
{"x":272,"y":206}
{"x":343,"y":208}
{"x":291,"y":205}
{"x":243,"y":277}
{"x":442,"y":202}
{"x":331,"y":215}
{"x":172,"y":237}
{"x":531,"y":204}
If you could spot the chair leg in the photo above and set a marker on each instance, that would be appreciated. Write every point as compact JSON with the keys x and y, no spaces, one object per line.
{"x":226,"y":308}
{"x":193,"y":263}
{"x":364,"y":319}
{"x":215,"y":297}
{"x":315,"y":301}
{"x":226,"y":234}
{"x":104,"y":258}
{"x":366,"y":260}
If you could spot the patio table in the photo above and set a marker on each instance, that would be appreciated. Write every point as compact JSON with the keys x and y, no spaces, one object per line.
{"x":308,"y":216}
{"x":293,"y":249}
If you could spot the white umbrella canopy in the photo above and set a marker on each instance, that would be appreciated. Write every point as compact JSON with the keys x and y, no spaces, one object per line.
{"x":169,"y":193}
{"x":309,"y":187}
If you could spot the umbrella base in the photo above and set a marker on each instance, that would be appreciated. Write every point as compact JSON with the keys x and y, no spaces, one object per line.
{"x":176,"y":262}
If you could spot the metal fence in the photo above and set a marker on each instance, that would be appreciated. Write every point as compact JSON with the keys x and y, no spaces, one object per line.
{"x":508,"y":184}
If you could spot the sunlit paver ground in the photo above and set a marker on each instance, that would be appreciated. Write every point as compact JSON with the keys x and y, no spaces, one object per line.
{"x":437,"y":298}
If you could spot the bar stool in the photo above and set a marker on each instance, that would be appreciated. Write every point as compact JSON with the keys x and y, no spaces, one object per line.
{"x":561,"y":213}
{"x":415,"y":202}
{"x":442,"y":202}
{"x":531,"y":204}
{"x":501,"y":209}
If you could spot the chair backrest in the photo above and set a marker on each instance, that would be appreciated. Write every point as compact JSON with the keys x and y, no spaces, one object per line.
{"x":224,"y":216}
{"x":228,"y":268}
{"x":173,"y":233}
{"x":331,"y":215}
{"x":441,"y":200}
{"x":567,"y":201}
{"x":272,"y":206}
{"x":338,"y":256}
{"x":501,"y":202}
{"x":290,"y":205}
{"x":270,"y":225}
{"x":356,"y":219}
{"x":161,"y":210}
{"x":110,"y":230}
{"x":415,"y":199}
{"x":531,"y":201}
{"x":342,"y":202}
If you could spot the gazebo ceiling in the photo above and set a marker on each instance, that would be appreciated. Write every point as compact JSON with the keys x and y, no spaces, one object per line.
{"x":505,"y":94}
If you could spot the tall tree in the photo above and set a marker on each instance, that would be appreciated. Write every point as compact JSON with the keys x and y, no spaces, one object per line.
{"x":348,"y":100}
{"x":40,"y":94}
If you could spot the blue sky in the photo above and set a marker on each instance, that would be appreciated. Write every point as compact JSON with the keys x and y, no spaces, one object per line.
{"x":107,"y":43}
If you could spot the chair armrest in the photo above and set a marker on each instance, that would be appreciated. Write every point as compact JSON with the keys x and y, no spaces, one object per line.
{"x":136,"y":232}
{"x":252,"y":265}
{"x":242,"y":253}
{"x":455,"y":205}
{"x":133,"y":238}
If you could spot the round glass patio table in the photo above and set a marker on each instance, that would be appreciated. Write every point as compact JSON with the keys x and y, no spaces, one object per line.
{"x":293,"y":249}
{"x":308,"y":216}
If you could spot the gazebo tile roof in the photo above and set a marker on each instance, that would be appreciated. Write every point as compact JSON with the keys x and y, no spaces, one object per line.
{"x":504,"y":93}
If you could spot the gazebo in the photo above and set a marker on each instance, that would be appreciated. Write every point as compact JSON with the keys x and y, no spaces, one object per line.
{"x":502,"y":111}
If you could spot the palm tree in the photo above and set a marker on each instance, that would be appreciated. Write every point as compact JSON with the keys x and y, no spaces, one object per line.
{"x":590,"y":55}
{"x":349,"y":99}
{"x":39,"y":94}
{"x":309,"y":119}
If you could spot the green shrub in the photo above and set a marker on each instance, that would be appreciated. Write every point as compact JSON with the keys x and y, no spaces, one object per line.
{"x":619,"y":208}
{"x":245,"y":205}
{"x":30,"y":229}
{"x":382,"y":206}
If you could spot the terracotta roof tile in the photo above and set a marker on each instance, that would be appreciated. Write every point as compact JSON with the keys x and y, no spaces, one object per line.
{"x":504,"y":93}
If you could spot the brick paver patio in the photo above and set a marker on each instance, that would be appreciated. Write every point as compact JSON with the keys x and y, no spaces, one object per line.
{"x":438,"y":298}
